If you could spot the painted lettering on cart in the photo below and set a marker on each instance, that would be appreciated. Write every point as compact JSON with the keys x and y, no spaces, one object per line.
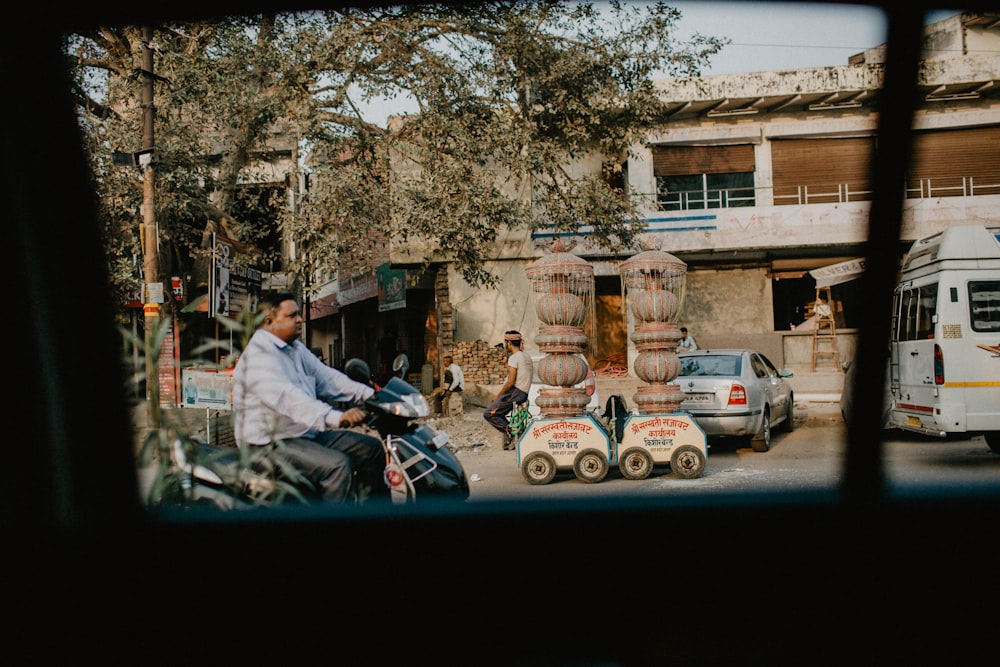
{"x":654,"y":422}
{"x":555,"y":429}
{"x":563,"y":444}
{"x":562,"y":435}
{"x":658,"y":432}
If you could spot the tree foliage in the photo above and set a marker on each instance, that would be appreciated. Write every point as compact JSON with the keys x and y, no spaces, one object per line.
{"x":508,"y":95}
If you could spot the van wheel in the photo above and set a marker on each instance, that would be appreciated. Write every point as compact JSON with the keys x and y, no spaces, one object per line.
{"x":993,"y":441}
{"x":590,"y":466}
{"x":762,"y":441}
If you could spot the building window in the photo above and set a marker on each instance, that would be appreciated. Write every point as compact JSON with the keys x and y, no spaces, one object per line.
{"x":694,"y":191}
{"x":700,"y":177}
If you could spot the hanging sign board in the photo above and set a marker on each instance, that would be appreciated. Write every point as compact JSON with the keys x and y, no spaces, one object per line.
{"x":838,"y":273}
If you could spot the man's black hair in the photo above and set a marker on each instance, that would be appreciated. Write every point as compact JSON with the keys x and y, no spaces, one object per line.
{"x":274,"y":299}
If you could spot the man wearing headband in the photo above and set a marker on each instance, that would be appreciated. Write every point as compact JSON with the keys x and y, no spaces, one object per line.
{"x":514,"y":390}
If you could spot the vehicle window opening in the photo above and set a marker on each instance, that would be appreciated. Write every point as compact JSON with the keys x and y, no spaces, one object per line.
{"x":984,"y":305}
{"x":917,"y":313}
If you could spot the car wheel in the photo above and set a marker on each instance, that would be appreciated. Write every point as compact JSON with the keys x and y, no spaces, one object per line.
{"x":993,"y":441}
{"x":538,"y":468}
{"x":590,"y":466}
{"x":687,"y":462}
{"x":762,"y":441}
{"x":788,"y":425}
{"x":635,"y":463}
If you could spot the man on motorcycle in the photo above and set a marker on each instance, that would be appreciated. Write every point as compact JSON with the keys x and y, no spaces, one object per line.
{"x":279,"y":388}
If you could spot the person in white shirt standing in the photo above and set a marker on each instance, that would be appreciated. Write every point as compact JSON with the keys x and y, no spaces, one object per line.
{"x":687,"y":342}
{"x":454,"y":383}
{"x":279,"y":388}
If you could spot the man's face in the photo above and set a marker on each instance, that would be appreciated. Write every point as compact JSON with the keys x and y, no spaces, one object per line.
{"x":287,"y":322}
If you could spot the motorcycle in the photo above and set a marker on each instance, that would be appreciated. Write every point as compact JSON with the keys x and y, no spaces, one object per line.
{"x":419,"y":461}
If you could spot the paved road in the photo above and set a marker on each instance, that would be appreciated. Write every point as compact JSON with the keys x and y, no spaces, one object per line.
{"x":808,"y":458}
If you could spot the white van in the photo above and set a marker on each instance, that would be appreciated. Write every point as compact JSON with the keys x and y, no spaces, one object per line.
{"x":944,"y":364}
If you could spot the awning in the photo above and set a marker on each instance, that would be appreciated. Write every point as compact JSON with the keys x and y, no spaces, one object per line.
{"x":841,"y":272}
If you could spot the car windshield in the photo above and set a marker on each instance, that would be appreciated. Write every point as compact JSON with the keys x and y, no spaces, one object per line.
{"x":714,"y":364}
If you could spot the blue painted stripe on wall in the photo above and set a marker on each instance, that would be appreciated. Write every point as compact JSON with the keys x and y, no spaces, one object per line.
{"x":653,"y":226}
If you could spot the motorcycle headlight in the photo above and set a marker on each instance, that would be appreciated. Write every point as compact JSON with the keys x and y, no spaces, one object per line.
{"x":409,"y":405}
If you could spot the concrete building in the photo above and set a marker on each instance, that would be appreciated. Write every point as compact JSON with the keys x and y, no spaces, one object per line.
{"x":755,"y":180}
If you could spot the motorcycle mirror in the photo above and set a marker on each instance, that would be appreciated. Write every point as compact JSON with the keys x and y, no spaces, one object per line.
{"x":358,"y":370}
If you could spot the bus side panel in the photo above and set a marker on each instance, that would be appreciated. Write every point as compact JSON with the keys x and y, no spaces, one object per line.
{"x":970,"y":339}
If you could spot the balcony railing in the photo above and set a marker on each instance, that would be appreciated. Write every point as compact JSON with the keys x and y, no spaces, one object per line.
{"x":957,"y":186}
{"x":832,"y":193}
{"x":687,"y":200}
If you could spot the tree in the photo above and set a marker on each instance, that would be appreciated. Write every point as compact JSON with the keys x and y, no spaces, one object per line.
{"x":508,"y":94}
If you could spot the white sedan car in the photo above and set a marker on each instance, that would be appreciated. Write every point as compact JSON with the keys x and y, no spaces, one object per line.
{"x":736,"y":393}
{"x":590,"y":384}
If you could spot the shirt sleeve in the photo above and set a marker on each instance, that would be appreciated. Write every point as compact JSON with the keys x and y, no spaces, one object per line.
{"x":277,"y":389}
{"x":333,"y":385}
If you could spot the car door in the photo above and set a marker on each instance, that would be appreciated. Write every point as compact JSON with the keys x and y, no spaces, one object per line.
{"x":776,"y":390}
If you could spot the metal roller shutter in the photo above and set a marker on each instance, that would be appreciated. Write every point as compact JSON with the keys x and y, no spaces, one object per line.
{"x":687,"y":160}
{"x":825,"y":170}
{"x":943,"y":158}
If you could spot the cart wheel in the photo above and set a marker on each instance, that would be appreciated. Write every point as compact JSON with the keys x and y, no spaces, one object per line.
{"x":590,"y":466}
{"x":687,"y":462}
{"x":538,"y":468}
{"x":635,"y":463}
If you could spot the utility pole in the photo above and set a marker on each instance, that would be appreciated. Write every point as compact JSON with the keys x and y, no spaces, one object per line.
{"x":150,"y":232}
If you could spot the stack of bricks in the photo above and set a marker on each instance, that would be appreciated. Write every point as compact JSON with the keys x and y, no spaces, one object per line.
{"x":481,"y":362}
{"x":445,"y":311}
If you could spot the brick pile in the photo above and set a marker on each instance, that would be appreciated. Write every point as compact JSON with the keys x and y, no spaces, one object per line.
{"x":481,"y":362}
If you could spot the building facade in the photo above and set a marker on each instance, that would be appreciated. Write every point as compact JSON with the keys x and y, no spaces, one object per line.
{"x":757,"y":179}
{"x":754,"y":180}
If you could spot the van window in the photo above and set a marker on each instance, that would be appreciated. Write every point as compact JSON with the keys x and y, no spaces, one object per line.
{"x":984,"y":305}
{"x":918,"y":305}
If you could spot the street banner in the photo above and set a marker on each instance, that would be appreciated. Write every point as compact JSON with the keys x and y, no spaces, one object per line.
{"x":231,"y":286}
{"x":391,"y":288}
{"x":207,"y":389}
